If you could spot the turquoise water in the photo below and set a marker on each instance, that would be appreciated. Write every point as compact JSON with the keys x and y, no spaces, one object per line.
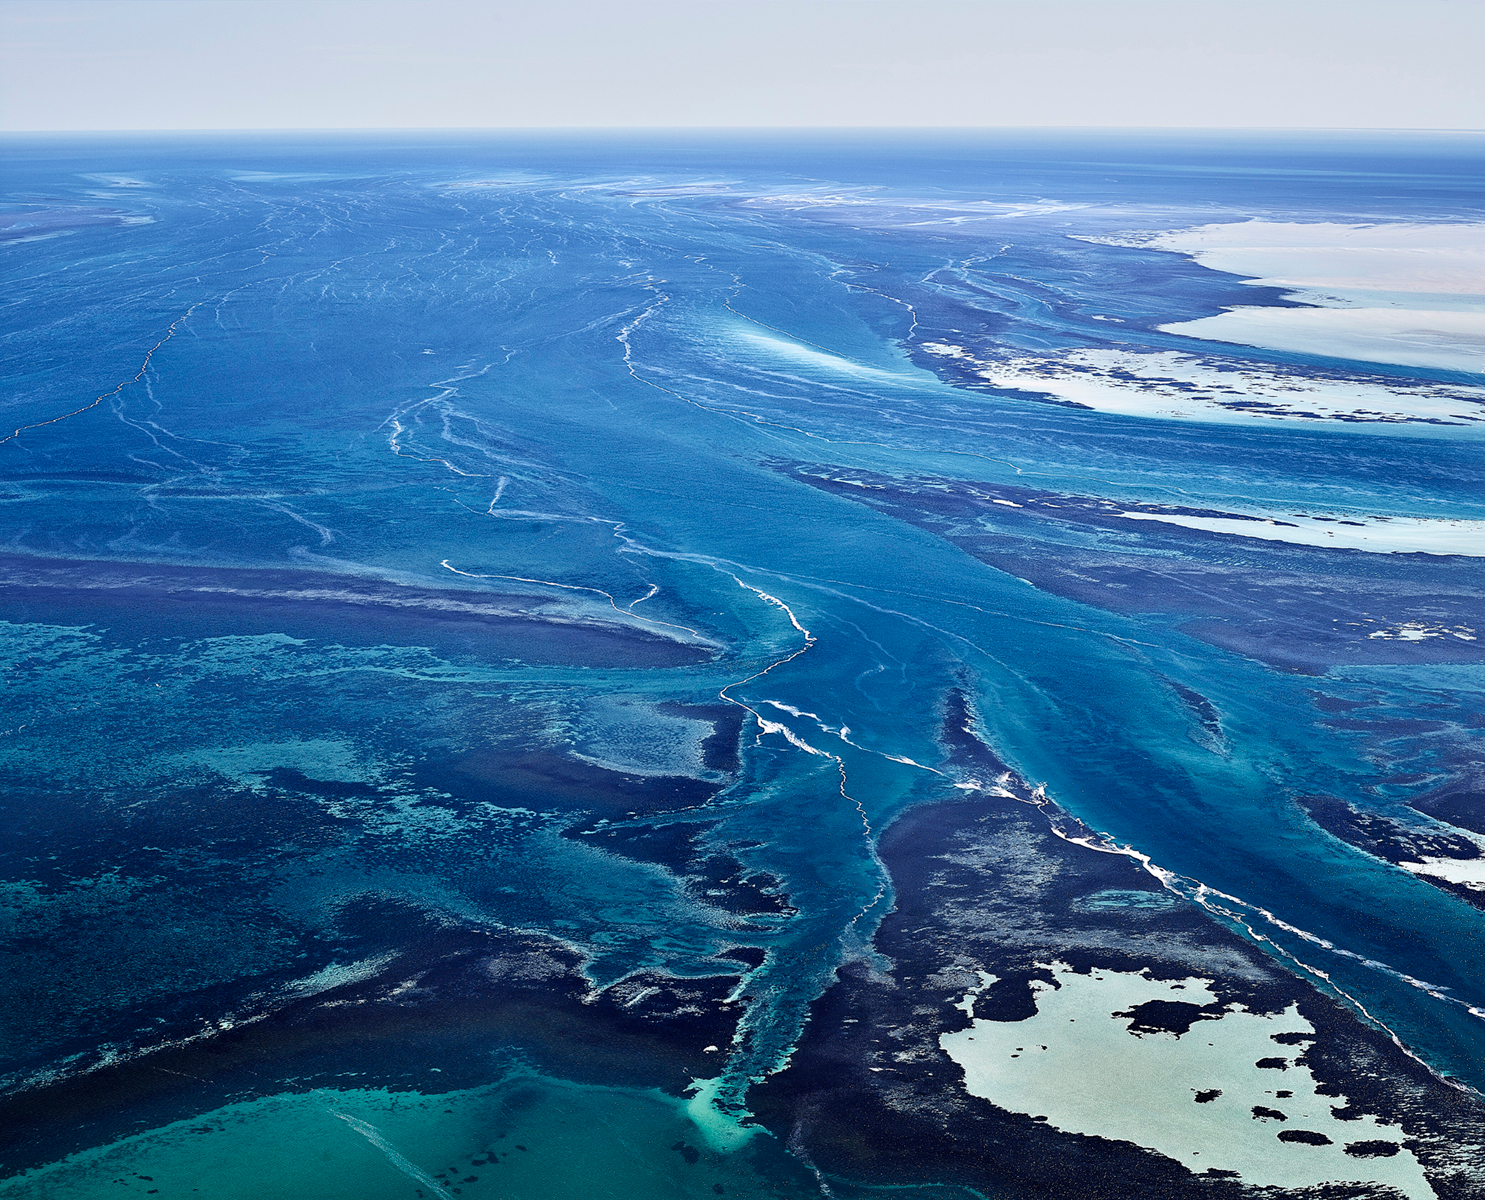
{"x":420,"y":466}
{"x":527,"y":1137}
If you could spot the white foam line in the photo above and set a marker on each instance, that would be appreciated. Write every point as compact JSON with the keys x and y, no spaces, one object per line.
{"x":809,"y":641}
{"x":767,"y":726}
{"x":818,"y":584}
{"x":140,"y":374}
{"x":326,"y":535}
{"x":410,"y":1169}
{"x":572,"y":587}
{"x":900,"y":758}
{"x":654,"y":591}
{"x":871,"y":846}
{"x":533,"y":514}
{"x":398,"y":429}
{"x":791,"y":710}
{"x":843,"y":733}
{"x":912,"y":312}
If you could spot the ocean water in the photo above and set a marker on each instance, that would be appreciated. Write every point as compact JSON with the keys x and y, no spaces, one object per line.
{"x":441,"y":559}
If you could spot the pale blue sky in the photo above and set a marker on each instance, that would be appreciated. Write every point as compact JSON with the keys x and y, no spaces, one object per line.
{"x":271,"y":64}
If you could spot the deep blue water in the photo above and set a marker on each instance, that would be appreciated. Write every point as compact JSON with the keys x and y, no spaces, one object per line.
{"x":449,"y":496}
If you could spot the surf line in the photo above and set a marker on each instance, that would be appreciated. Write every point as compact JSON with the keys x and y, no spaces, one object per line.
{"x":869,"y":834}
{"x":912,"y":312}
{"x":1199,"y":894}
{"x":817,"y":582}
{"x":143,"y":367}
{"x":572,"y":587}
{"x":843,"y":732}
{"x":767,"y":726}
{"x":398,"y":429}
{"x":764,"y":724}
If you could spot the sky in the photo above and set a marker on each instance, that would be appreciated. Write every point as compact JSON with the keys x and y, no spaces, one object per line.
{"x":410,"y":64}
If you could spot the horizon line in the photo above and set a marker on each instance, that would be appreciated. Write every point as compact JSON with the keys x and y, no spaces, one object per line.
{"x":770,"y":129}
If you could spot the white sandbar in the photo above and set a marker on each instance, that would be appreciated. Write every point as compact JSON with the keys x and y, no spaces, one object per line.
{"x":1468,"y":871}
{"x":1412,"y":337}
{"x":1377,"y":535}
{"x":1426,"y":259}
{"x":1079,"y":1066}
{"x":1201,"y":387}
{"x":1410,"y":294}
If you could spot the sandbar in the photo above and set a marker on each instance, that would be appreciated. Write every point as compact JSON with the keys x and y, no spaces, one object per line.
{"x":1407,"y":294}
{"x":1230,"y":1094}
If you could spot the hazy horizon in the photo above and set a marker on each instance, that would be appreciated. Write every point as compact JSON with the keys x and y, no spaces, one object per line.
{"x":381,"y":65}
